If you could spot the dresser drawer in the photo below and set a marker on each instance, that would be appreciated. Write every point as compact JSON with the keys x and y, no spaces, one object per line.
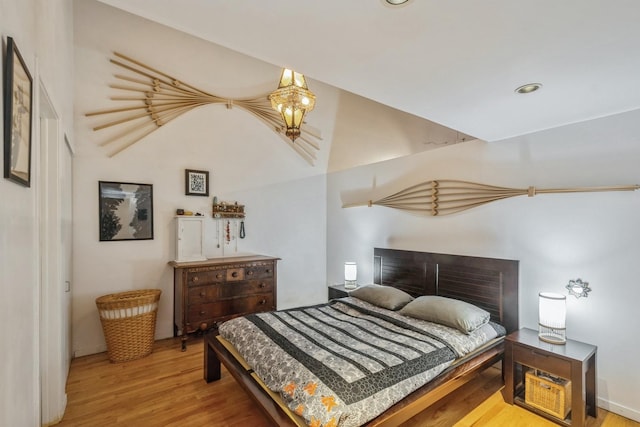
{"x":235,"y":274}
{"x":264,"y":271}
{"x":539,"y":360}
{"x":197,"y":278}
{"x":215,"y":291}
{"x":225,"y":309}
{"x":249,"y":287}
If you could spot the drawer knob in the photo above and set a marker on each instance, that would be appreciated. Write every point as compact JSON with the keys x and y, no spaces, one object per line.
{"x":195,"y":279}
{"x":234,"y":274}
{"x":262,"y":285}
{"x":202,"y":313}
{"x":263,"y":302}
{"x":249,"y":273}
{"x":203,"y":326}
{"x":202,"y":294}
{"x":267,"y":271}
{"x":218,"y":276}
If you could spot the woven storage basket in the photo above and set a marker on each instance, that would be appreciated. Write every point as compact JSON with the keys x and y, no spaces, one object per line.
{"x":550,"y":396}
{"x":129,"y":323}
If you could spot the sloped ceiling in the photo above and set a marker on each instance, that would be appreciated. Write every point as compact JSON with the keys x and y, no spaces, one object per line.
{"x":456,"y":63}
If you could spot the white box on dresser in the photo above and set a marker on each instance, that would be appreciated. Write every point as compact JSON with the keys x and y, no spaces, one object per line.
{"x":190,"y":238}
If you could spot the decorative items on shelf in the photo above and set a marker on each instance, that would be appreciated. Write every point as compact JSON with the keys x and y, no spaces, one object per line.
{"x":182,"y":212}
{"x":228,"y":210}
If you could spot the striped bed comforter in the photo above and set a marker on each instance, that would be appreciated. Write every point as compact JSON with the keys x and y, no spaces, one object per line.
{"x":347,"y":361}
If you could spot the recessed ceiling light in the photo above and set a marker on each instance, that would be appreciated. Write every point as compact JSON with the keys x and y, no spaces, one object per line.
{"x":528,"y":88}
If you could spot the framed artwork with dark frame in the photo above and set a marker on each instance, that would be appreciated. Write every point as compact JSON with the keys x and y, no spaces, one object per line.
{"x":126,"y":211}
{"x":18,"y":105}
{"x":196,"y":183}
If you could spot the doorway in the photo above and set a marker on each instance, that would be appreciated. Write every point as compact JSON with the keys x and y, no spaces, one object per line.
{"x":55,"y":214}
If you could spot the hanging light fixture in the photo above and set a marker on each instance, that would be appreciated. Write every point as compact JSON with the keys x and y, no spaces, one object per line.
{"x":292,"y":100}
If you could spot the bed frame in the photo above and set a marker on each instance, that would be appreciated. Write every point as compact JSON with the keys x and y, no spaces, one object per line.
{"x":491,"y":284}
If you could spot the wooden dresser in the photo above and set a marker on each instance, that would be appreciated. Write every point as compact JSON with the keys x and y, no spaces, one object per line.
{"x":212,"y":291}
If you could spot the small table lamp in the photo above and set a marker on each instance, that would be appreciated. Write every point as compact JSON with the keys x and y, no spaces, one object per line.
{"x":552,"y":314}
{"x":350,"y":275}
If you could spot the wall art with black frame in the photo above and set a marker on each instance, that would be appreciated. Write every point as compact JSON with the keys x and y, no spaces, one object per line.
{"x":126,"y":211}
{"x":18,"y":104}
{"x":196,"y":183}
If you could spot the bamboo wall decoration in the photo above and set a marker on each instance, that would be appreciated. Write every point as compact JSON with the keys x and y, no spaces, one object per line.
{"x":159,"y":98}
{"x":445,"y":197}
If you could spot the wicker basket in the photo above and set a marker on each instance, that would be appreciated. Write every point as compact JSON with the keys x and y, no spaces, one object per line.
{"x":129,"y":323}
{"x":552,"y":396}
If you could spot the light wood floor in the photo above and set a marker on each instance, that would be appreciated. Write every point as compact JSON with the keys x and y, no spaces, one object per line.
{"x":166,"y":389}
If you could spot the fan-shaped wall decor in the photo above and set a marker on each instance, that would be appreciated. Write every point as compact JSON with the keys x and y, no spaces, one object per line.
{"x":158,"y":98}
{"x":445,"y":197}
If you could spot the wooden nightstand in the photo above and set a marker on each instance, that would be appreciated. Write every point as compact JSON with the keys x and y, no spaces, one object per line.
{"x":338,"y":291}
{"x":574,"y":361}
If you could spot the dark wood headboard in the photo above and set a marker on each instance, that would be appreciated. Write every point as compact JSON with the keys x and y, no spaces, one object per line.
{"x":489,"y":283}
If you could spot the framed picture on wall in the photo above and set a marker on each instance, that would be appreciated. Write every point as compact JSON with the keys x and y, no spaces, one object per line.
{"x":196,"y":183}
{"x":18,"y":102}
{"x":126,"y":211}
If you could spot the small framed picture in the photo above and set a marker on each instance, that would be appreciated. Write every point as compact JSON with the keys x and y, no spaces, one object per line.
{"x":196,"y":183}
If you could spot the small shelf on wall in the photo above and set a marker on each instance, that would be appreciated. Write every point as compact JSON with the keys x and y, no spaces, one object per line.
{"x":227,"y":210}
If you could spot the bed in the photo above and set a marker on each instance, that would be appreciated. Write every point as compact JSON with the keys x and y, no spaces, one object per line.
{"x":487,"y":283}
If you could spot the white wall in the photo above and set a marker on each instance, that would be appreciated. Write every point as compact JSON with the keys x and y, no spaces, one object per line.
{"x":593,"y":236}
{"x":285,"y":197}
{"x":39,"y":27}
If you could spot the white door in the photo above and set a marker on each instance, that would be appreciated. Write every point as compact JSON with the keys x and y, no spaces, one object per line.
{"x":54,"y":211}
{"x":66,"y":241}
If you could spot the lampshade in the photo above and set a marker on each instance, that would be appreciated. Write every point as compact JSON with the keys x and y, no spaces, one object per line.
{"x":552,"y":313}
{"x":350,"y":275}
{"x":292,"y":100}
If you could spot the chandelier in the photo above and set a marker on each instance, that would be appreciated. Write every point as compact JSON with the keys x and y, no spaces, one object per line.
{"x":292,"y":100}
